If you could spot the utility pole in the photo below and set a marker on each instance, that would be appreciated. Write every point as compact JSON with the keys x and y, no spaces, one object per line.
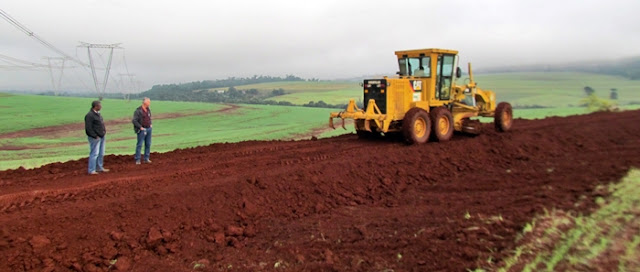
{"x":100,"y":89}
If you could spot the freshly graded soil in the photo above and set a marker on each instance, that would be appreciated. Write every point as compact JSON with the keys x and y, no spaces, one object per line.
{"x":336,"y":204}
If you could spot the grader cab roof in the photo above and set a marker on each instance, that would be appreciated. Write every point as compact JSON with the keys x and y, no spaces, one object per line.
{"x":424,"y":52}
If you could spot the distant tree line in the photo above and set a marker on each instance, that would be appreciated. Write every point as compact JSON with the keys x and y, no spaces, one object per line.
{"x":231,"y":95}
{"x":220,"y":83}
{"x":227,"y":92}
{"x":215,"y":91}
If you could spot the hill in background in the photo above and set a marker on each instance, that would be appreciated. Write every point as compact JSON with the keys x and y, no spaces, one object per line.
{"x":523,"y":86}
{"x":628,"y":68}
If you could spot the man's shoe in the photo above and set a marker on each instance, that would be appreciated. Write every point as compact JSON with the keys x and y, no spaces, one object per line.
{"x":147,"y":161}
{"x":137,"y":162}
{"x":93,"y":173}
{"x":104,"y":170}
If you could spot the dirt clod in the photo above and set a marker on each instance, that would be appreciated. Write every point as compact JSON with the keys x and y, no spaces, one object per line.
{"x":234,"y":231}
{"x":39,"y":241}
{"x":154,"y":237}
{"x":123,"y":263}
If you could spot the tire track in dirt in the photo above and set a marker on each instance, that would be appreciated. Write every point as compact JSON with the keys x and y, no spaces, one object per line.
{"x":295,"y":153}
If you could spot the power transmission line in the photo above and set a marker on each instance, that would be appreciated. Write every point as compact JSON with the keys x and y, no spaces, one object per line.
{"x":23,"y":62}
{"x":30,"y":65}
{"x":30,"y":33}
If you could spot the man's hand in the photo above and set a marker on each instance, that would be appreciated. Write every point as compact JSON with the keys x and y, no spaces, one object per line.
{"x":141,"y":128}
{"x":97,"y":138}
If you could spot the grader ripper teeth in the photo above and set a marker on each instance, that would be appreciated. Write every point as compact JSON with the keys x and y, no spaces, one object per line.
{"x":333,"y":127}
{"x":371,"y":114}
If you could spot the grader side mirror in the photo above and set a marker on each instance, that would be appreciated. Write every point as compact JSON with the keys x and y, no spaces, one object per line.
{"x":458,"y":72}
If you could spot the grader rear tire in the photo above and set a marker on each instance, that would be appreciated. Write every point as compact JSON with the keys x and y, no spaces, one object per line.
{"x":503,"y":117}
{"x":416,"y":126}
{"x":442,"y":121}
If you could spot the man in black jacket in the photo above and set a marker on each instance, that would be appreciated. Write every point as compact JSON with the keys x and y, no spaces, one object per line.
{"x":142,"y":126}
{"x":95,"y":129}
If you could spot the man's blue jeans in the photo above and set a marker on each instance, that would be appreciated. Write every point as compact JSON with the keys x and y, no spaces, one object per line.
{"x":144,"y":136}
{"x":96,"y":154}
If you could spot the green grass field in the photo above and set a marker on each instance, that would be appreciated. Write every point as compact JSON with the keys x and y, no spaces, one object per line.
{"x":249,"y":122}
{"x":203,"y":125}
{"x":302,"y":86}
{"x":556,"y":89}
{"x":19,"y":112}
{"x":520,"y":89}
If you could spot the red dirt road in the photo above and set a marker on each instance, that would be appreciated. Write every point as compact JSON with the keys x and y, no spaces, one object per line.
{"x":337,"y":204}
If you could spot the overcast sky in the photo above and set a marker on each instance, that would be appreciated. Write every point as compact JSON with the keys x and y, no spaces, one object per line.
{"x":181,"y":41}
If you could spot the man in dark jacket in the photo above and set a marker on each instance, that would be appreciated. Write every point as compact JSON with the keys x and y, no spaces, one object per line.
{"x":142,"y":127}
{"x":95,"y":129}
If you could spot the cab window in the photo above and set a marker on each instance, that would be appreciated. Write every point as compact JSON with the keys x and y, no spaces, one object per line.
{"x":444,"y":76}
{"x":420,"y":67}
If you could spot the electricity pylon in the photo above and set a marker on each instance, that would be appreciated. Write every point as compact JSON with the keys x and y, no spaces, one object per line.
{"x":50,"y":64}
{"x":100,"y":89}
{"x":127,"y":89}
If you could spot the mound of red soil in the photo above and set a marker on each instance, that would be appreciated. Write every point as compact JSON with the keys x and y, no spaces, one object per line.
{"x":338,"y":204}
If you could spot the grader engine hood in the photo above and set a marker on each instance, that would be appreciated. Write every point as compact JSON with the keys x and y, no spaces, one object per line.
{"x":376,"y":89}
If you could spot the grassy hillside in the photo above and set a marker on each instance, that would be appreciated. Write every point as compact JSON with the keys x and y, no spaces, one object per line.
{"x":557,"y":89}
{"x":176,"y":125}
{"x":301,"y":92}
{"x":302,"y":86}
{"x":24,"y":142}
{"x":20,"y":112}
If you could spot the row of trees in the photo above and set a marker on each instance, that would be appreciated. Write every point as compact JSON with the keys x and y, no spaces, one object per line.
{"x":224,"y":91}
{"x":235,"y":96}
{"x":220,"y":91}
{"x":220,"y":83}
{"x":613,"y":95}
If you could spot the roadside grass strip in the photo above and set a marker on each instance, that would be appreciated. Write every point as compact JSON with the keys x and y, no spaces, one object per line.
{"x":608,"y":238}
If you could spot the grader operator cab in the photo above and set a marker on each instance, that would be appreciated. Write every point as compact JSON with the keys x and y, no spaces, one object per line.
{"x":423,"y":102}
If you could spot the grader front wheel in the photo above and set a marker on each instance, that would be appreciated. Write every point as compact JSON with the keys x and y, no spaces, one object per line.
{"x":503,"y":117}
{"x":442,"y":124}
{"x":416,"y":126}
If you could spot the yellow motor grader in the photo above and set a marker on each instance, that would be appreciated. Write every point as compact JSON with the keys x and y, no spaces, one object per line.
{"x":423,"y":102}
